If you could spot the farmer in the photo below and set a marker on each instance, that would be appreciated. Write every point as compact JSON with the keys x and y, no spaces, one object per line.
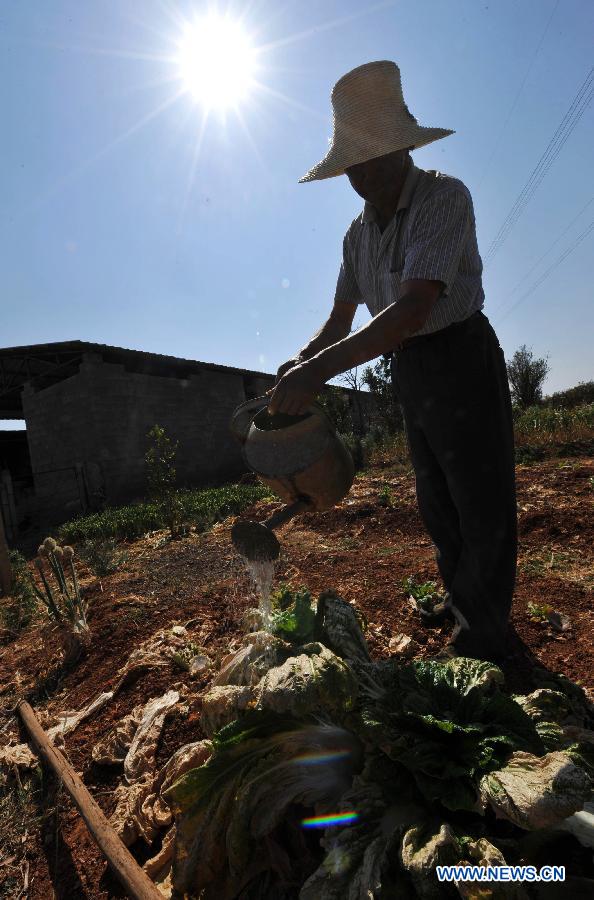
{"x":411,"y":256}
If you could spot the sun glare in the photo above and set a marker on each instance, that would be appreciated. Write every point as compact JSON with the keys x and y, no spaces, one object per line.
{"x":217,"y":62}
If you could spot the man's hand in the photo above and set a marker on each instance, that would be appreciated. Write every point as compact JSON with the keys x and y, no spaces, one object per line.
{"x":296,"y":389}
{"x":289,"y":364}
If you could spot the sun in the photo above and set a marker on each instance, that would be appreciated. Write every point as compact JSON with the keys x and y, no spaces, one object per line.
{"x":217,"y":61}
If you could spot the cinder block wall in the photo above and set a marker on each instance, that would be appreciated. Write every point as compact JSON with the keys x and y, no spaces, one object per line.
{"x":98,"y":420}
{"x":87,"y":434}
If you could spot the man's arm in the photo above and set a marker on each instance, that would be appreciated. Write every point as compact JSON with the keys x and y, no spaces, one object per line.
{"x":337,"y":326}
{"x":295,"y":391}
{"x":384,"y":332}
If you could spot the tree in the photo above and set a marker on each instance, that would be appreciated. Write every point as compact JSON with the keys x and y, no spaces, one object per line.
{"x":161,"y":478}
{"x":579,"y":395}
{"x":379,"y":381}
{"x":355,"y":382}
{"x":336,"y":406}
{"x":526,"y":376}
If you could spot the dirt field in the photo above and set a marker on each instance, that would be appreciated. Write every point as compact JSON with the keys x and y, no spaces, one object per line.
{"x":362,"y":549}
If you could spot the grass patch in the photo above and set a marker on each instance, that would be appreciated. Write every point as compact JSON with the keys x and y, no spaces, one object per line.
{"x":348,"y":543}
{"x":538,"y":430}
{"x":573,"y":565}
{"x":201,"y":508}
{"x":20,"y":799}
{"x":20,"y":608}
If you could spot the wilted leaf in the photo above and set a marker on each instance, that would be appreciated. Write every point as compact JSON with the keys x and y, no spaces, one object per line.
{"x":228,"y":806}
{"x":536,"y":792}
{"x":422,"y":850}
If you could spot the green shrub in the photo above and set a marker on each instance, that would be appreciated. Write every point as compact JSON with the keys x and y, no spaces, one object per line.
{"x":200,"y":507}
{"x":18,"y":610}
{"x":335,"y":403}
{"x":541,"y":426}
{"x":526,"y":455}
{"x":354,"y":444}
{"x":101,"y":555}
{"x":385,"y":448}
{"x":161,"y":478}
{"x":582,"y":393}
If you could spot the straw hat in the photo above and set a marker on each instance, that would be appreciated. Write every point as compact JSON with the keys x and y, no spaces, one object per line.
{"x":370,"y":120}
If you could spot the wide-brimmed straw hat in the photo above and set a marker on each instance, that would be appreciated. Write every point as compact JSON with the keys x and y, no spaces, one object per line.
{"x":370,"y":120}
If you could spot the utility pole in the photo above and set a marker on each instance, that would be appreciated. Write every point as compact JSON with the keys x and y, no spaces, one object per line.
{"x":5,"y":568}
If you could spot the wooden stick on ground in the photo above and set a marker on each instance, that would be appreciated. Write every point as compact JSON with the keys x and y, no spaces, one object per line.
{"x":131,"y":876}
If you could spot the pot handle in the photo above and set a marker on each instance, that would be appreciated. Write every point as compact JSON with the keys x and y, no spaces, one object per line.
{"x":243,"y":417}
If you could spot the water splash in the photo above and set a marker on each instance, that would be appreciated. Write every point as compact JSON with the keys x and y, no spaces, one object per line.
{"x":262,"y":572}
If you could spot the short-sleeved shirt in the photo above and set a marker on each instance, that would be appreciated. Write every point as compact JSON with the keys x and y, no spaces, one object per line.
{"x":431,"y":236}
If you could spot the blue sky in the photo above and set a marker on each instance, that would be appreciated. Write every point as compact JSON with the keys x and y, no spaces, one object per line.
{"x":129,"y":220}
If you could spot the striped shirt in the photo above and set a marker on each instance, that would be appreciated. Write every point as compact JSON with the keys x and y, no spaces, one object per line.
{"x":431,"y":236}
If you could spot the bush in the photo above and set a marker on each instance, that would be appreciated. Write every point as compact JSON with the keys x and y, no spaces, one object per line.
{"x":101,"y":555}
{"x":161,"y":478}
{"x":527,"y":455}
{"x":544,"y":424}
{"x":200,"y":507}
{"x":18,"y":610}
{"x":581,"y":394}
{"x":335,"y":403}
{"x":354,"y":444}
{"x":386,"y":449}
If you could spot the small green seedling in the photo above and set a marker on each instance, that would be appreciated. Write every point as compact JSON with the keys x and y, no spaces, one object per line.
{"x":424,"y":594}
{"x":539,"y":612}
{"x":385,"y":497}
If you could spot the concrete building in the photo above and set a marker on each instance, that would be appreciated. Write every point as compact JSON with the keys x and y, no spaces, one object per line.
{"x":88,"y":408}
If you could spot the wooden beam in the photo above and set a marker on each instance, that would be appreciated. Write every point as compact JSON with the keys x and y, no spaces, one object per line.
{"x":135,"y":881}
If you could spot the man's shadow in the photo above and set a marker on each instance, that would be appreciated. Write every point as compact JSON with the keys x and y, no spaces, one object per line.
{"x":524,"y":671}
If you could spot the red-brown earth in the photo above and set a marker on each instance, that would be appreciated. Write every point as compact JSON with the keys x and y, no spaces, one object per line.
{"x":362,"y":549}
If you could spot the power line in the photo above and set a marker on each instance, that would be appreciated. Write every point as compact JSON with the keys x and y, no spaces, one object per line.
{"x":517,"y":97}
{"x":545,"y":254}
{"x":581,"y":237}
{"x":570,"y":120}
{"x":580,"y":103}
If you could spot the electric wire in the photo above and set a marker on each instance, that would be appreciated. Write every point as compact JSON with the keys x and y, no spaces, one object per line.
{"x":563,"y":132}
{"x":519,"y":283}
{"x":570,"y":120}
{"x":579,"y":239}
{"x":575,"y":112}
{"x":517,"y":97}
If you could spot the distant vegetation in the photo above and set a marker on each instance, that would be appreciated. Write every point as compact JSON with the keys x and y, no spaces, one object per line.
{"x":526,"y":377}
{"x":542,"y":431}
{"x":201,"y":508}
{"x":581,"y":394}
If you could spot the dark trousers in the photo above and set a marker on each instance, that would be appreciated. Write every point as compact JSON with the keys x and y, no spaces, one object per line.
{"x":455,"y":398}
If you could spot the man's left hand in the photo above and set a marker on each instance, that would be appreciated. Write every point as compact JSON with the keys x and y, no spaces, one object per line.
{"x":296,"y":390}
